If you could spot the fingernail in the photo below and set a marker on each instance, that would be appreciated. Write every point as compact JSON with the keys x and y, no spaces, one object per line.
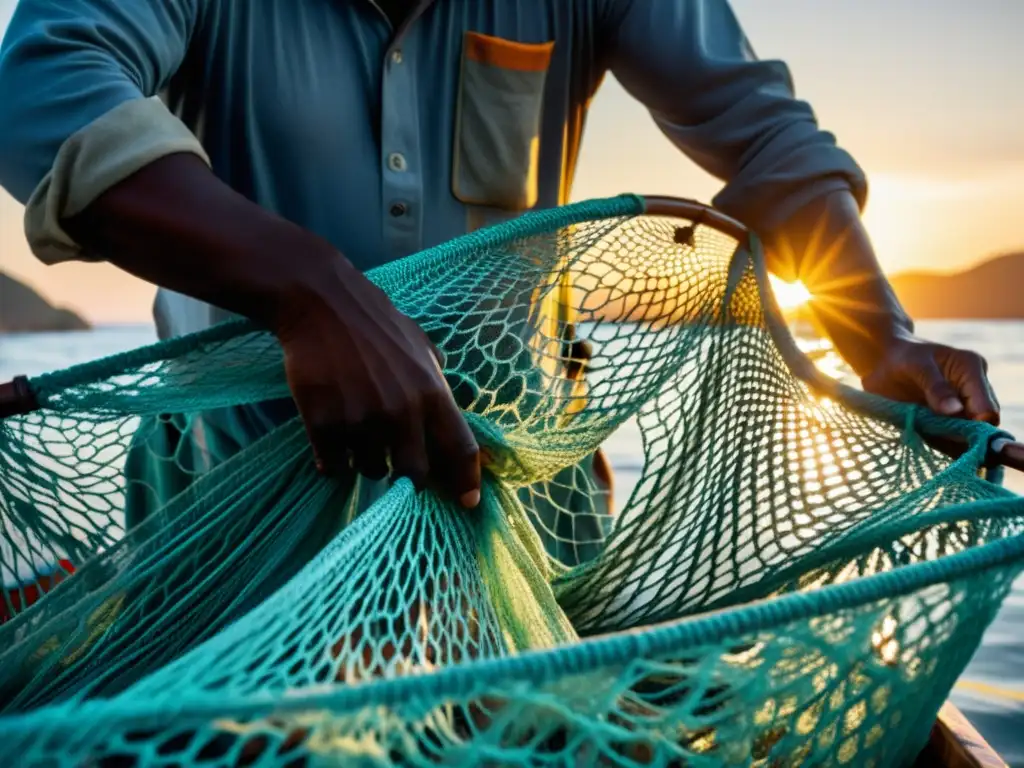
{"x":950,"y":406}
{"x":470,"y":499}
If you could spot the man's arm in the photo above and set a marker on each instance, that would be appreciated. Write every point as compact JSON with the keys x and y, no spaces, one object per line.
{"x":107,"y":172}
{"x":690,"y":63}
{"x":826,"y":246}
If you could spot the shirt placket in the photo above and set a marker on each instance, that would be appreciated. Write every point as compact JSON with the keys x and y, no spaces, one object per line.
{"x":401,"y":151}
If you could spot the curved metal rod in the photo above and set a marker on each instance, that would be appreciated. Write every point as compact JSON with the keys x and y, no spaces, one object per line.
{"x":696,"y":212}
{"x":1001,"y":452}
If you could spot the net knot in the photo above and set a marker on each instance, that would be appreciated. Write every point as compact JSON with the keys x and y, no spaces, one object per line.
{"x":910,"y":436}
{"x":686,"y":235}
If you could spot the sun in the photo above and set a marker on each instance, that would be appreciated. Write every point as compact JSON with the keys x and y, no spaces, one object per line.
{"x":789,"y":295}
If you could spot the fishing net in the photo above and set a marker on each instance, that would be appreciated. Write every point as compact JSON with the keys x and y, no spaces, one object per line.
{"x":795,"y":578}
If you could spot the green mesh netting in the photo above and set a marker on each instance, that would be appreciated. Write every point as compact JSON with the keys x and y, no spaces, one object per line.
{"x":795,"y":579}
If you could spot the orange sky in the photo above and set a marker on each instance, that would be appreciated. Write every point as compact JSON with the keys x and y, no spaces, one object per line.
{"x":930,"y":103}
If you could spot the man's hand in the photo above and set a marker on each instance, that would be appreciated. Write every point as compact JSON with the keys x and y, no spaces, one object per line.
{"x":369,"y":387}
{"x":364,"y":376}
{"x":826,"y":246}
{"x":950,"y":381}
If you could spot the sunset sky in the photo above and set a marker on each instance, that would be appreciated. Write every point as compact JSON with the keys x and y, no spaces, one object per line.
{"x":928,"y":96}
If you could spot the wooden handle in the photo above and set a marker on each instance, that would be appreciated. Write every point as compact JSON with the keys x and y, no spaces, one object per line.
{"x":16,"y":398}
{"x":1001,"y":452}
{"x":1009,"y":454}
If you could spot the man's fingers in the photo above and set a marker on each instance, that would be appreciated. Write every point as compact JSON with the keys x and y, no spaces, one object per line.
{"x":409,"y":455}
{"x":953,"y":382}
{"x":329,"y":445}
{"x":967,"y":372}
{"x":939,"y":394}
{"x":437,"y":354}
{"x":454,"y":454}
{"x":370,"y":454}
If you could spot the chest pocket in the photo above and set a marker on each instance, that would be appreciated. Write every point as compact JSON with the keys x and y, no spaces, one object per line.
{"x":497,"y":121}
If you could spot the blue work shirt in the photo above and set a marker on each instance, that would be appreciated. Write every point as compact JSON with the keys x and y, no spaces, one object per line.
{"x":382,"y":141}
{"x":387,"y":141}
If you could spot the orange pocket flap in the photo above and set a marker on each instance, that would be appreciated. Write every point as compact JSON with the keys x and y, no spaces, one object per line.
{"x":508,"y":54}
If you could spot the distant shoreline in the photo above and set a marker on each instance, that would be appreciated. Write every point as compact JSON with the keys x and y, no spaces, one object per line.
{"x":990,"y":290}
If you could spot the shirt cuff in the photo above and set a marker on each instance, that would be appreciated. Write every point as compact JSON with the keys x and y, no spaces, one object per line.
{"x":94,"y":159}
{"x":765,"y":198}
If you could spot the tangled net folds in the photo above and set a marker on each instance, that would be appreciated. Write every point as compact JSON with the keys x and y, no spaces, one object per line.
{"x":797,"y":578}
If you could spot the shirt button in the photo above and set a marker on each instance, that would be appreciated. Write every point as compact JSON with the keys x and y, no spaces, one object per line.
{"x":398,"y":210}
{"x":396,"y":162}
{"x":396,"y":56}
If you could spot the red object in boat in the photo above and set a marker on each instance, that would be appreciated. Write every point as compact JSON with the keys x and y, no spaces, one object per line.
{"x":22,"y":597}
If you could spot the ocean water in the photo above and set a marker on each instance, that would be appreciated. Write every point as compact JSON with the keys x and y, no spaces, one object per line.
{"x":991,"y":691}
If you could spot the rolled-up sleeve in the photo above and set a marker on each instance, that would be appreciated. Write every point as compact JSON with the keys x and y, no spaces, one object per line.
{"x":78,"y":112}
{"x":690,"y":63}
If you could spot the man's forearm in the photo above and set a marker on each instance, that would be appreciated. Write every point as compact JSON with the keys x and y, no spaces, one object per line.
{"x":364,"y":376}
{"x":175,"y":224}
{"x":827,"y":248}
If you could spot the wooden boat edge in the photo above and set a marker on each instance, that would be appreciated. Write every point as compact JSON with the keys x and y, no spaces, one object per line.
{"x":955,"y":743}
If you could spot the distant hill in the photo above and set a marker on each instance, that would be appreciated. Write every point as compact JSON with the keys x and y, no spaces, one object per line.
{"x":991,"y":290}
{"x":22,"y":310}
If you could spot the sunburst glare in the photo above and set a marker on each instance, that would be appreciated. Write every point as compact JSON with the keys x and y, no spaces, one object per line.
{"x":789,"y":295}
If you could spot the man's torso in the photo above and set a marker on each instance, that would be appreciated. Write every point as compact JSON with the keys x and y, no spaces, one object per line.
{"x":388,"y":141}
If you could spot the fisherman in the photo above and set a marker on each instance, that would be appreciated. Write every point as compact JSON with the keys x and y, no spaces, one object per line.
{"x":256,"y":158}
